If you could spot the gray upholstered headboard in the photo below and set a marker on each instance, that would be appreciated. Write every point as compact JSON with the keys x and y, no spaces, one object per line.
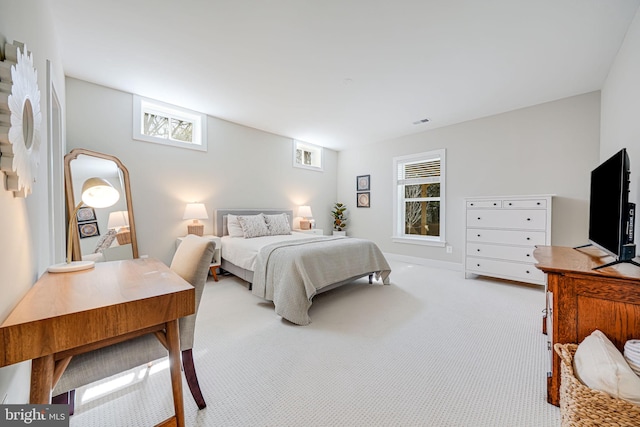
{"x":221,"y":217}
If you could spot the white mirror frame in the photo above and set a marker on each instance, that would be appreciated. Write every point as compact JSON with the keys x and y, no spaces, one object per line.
{"x":22,"y":134}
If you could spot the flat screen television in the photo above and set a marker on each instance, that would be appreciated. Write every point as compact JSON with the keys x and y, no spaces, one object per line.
{"x":611,"y":215}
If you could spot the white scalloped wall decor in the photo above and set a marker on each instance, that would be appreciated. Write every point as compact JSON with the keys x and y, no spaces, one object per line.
{"x":20,"y":120}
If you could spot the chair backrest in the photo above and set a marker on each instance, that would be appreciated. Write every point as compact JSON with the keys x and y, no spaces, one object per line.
{"x":191,"y":262}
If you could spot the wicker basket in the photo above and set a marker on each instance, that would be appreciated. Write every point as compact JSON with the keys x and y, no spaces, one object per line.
{"x":585,"y":407}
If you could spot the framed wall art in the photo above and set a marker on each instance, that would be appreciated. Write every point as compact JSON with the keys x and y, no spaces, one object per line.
{"x":363,"y":200}
{"x":363,"y":183}
{"x":86,"y":214}
{"x":88,"y":229}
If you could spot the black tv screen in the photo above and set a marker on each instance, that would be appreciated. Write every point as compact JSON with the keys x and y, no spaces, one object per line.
{"x":609,"y":204}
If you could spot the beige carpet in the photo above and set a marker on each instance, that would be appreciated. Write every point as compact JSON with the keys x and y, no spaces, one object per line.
{"x":432,"y":349}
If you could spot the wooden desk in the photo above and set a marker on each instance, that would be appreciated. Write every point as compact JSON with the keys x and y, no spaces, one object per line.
{"x":580,"y":300}
{"x":65,"y":314}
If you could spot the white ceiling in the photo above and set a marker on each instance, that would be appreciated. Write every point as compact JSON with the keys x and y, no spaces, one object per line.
{"x":341,"y":73}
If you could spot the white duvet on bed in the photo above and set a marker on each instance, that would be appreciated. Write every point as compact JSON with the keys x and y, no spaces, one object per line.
{"x":243,"y":252}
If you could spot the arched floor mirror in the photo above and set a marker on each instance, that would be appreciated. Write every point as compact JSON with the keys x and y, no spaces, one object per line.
{"x":106,"y":234}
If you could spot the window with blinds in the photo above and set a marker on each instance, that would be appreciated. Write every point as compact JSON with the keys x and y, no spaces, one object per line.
{"x":419,"y":197}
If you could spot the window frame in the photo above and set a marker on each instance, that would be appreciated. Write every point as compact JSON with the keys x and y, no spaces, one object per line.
{"x":313,"y":149}
{"x":142,"y":105}
{"x":399,"y":235}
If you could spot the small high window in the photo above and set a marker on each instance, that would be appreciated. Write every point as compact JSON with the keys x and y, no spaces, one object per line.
{"x":307,"y":155}
{"x":155,"y":121}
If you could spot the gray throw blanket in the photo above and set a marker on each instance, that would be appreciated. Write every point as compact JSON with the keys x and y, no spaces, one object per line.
{"x":291,"y":273}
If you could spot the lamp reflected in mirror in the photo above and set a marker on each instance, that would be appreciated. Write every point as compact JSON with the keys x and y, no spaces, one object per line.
{"x":96,"y":193}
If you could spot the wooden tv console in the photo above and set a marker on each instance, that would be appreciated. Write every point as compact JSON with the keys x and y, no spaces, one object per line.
{"x":580,"y":300}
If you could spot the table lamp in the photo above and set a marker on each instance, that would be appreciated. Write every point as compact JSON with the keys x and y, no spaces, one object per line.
{"x":96,"y":193}
{"x":305,"y":213}
{"x":195,"y":211}
{"x":119,"y":221}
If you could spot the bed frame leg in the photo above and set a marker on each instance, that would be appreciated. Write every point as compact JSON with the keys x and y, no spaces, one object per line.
{"x":250,"y":286}
{"x":370,"y":279}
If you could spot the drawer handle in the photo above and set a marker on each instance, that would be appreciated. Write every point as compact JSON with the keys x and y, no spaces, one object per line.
{"x":510,"y":204}
{"x":538,"y":203}
{"x":528,"y":219}
{"x":495,"y":204}
{"x":478,"y":235}
{"x":470,"y":204}
{"x":527,"y":271}
{"x":528,"y":238}
{"x":478,"y":218}
{"x":478,"y":250}
{"x":478,"y":265}
{"x":528,"y":254}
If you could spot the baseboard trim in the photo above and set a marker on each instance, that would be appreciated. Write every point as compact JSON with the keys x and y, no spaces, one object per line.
{"x":447,"y":265}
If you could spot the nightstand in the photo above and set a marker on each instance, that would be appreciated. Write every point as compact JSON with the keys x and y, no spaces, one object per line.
{"x":215,"y":262}
{"x":317,"y":231}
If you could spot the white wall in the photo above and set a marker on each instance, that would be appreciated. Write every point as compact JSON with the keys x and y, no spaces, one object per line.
{"x":621,"y":109}
{"x":24,"y":223}
{"x":549,"y":148}
{"x":243,"y":168}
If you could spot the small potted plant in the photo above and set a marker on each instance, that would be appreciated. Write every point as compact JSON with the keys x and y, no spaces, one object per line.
{"x":339,"y":219}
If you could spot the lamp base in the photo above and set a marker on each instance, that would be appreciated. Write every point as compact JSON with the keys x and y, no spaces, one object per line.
{"x":197,"y":229}
{"x":123,"y":237}
{"x":305,"y":224}
{"x":71,"y":266}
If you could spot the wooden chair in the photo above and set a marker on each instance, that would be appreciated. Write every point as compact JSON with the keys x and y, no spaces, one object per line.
{"x":191,"y":262}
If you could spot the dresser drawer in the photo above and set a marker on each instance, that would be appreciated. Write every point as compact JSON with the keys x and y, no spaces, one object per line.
{"x":508,"y":237}
{"x":527,"y":204}
{"x":525,"y":219}
{"x":505,"y":269}
{"x":509,"y":253}
{"x":484,"y":204}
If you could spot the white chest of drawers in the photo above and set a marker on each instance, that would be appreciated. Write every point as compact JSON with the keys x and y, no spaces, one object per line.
{"x":501,"y":234}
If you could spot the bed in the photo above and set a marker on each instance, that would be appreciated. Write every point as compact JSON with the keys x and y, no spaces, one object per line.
{"x":290,"y":268}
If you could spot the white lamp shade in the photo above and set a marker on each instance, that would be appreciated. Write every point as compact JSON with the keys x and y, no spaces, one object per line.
{"x":118,"y":219}
{"x":305,"y":211}
{"x":99,"y":193}
{"x":195,"y":211}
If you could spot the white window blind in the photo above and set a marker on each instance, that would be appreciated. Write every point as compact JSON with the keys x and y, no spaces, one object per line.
{"x":428,"y":170}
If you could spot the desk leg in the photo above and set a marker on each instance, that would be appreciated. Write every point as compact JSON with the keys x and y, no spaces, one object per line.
{"x":173,"y":341}
{"x":41,"y":380}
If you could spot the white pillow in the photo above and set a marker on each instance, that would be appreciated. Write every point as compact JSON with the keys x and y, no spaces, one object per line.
{"x":233,"y":226}
{"x":253,"y":226}
{"x":632,"y":355}
{"x":105,"y":241}
{"x":278,"y":224}
{"x":601,"y":366}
